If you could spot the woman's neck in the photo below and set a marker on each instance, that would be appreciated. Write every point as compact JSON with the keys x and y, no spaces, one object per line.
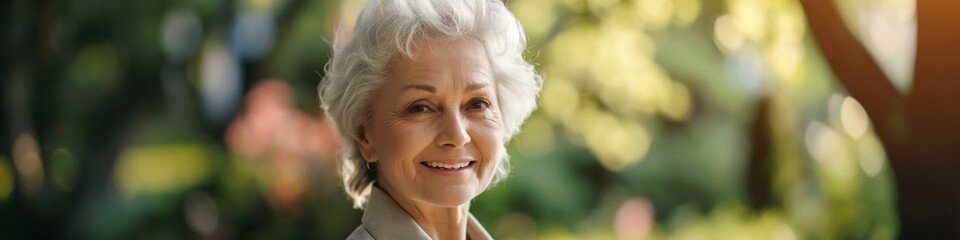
{"x":438,"y":222}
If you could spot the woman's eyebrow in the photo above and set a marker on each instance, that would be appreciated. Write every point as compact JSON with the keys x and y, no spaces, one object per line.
{"x":423,"y":87}
{"x":432,"y":89}
{"x":475,"y":86}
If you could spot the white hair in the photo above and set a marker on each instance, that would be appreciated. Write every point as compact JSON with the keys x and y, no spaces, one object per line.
{"x":386,"y":28}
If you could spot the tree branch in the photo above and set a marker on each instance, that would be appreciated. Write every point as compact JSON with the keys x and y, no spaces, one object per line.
{"x":851,"y":63}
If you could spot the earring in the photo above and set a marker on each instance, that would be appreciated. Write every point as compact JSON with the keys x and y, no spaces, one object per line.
{"x":369,"y":168}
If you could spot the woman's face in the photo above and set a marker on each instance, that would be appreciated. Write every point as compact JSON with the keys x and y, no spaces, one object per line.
{"x":436,"y":129}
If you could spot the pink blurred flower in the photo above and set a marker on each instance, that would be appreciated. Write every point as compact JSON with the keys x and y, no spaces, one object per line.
{"x":271,"y":128}
{"x":634,"y":219}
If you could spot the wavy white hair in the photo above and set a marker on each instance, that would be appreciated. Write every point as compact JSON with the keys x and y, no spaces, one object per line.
{"x":386,"y":28}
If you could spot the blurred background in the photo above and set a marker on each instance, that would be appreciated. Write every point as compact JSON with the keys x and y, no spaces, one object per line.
{"x":659,"y":119}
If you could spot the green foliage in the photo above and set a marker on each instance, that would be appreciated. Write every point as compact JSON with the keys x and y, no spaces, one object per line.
{"x":645,"y":102}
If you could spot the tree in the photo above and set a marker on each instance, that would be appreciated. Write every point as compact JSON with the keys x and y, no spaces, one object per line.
{"x":920,"y":129}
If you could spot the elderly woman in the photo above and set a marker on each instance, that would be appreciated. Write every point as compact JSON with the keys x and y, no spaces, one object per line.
{"x":425,"y":93}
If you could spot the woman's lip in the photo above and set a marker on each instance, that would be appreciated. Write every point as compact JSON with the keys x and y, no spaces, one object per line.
{"x":449,"y":172}
{"x":465,"y":164}
{"x":449,"y":161}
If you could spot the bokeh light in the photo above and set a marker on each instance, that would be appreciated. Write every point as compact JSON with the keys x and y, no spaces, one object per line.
{"x":634,"y":219}
{"x":537,"y":22}
{"x":64,"y":170}
{"x":252,"y":34}
{"x":182,"y":34}
{"x":871,"y":156}
{"x":6,"y":179}
{"x":26,"y":159}
{"x":854,"y":118}
{"x":888,"y":30}
{"x":201,"y":213}
{"x":726,"y":35}
{"x":148,"y":170}
{"x":220,"y":82}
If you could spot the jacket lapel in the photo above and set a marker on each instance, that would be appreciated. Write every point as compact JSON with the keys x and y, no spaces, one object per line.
{"x":384,"y":219}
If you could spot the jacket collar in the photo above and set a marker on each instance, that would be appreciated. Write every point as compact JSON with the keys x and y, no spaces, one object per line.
{"x":384,"y":219}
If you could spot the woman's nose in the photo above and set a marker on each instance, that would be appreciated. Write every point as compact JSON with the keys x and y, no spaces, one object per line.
{"x":453,"y":132}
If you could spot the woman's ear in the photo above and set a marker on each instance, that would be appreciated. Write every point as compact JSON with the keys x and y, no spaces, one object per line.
{"x":366,"y":147}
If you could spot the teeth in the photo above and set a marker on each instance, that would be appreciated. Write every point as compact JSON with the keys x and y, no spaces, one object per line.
{"x":447,"y":166}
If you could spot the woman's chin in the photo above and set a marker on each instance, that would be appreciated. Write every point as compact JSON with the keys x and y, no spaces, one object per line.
{"x":451,"y":196}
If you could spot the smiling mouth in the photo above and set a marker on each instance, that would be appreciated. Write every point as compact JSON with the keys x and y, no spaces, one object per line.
{"x":448,"y":166}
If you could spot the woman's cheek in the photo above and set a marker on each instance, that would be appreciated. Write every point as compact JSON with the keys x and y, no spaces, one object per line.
{"x":490,"y":139}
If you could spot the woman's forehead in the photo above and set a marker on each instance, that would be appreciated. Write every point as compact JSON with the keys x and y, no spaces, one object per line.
{"x":428,"y":52}
{"x":440,"y":61}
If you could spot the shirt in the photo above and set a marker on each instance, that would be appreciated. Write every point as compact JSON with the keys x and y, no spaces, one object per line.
{"x":384,"y":219}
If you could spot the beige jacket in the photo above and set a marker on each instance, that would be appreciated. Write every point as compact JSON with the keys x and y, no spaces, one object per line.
{"x":384,"y":219}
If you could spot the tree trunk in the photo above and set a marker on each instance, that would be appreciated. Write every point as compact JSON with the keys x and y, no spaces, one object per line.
{"x":920,"y":131}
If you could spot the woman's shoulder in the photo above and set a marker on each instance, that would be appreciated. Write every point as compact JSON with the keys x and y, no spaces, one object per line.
{"x":360,"y":233}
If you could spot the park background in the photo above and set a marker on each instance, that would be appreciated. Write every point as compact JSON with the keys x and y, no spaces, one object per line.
{"x":659,"y":119}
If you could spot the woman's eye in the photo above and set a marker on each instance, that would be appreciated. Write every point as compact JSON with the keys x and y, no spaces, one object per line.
{"x":478,"y":105}
{"x":418,"y":108}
